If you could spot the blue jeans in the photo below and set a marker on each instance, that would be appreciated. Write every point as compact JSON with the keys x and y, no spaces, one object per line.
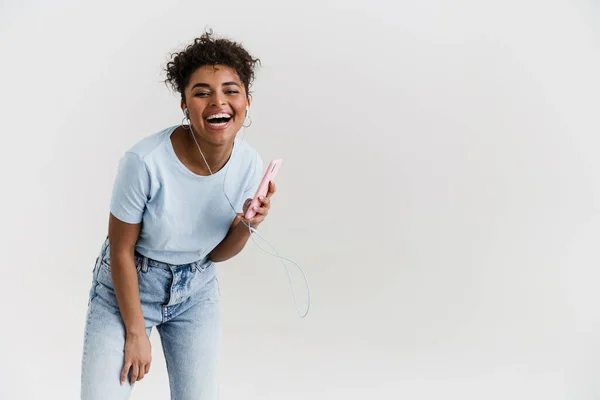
{"x":182,"y":302}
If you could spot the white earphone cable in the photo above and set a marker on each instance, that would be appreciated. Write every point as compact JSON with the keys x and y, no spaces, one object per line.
{"x":254,"y":231}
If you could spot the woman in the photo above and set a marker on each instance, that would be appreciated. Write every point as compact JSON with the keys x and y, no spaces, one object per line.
{"x":170,"y":221}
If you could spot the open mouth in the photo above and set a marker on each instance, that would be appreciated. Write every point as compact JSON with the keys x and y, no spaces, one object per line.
{"x":219,"y":120}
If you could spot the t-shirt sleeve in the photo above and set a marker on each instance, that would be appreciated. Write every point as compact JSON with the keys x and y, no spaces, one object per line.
{"x":131,"y":189}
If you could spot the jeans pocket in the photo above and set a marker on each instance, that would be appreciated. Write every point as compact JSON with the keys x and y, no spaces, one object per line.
{"x":104,"y":275}
{"x":105,"y":262}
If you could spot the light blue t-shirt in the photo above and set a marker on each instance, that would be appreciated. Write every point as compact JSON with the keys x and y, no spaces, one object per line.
{"x":184,"y":215}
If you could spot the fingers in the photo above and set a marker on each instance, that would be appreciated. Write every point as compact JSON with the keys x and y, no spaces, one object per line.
{"x":142,"y":373}
{"x":138,"y":372}
{"x":135,"y":373}
{"x":262,"y":211}
{"x":272,"y":189}
{"x":247,"y":204}
{"x":138,"y":356}
{"x":266,"y":201}
{"x":125,"y":371}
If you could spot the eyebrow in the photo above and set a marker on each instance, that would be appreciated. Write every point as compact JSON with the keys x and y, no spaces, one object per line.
{"x":206,"y":85}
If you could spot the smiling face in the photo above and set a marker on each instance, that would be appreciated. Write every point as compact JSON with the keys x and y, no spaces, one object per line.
{"x":216,"y":101}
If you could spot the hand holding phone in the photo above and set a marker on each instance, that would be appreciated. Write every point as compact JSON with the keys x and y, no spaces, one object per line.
{"x":263,"y":188}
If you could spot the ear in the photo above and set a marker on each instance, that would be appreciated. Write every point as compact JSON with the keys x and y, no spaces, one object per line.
{"x":183,"y":106}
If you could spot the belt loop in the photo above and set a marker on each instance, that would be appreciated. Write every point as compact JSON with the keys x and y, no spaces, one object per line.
{"x":194,"y":266}
{"x":144,"y":264}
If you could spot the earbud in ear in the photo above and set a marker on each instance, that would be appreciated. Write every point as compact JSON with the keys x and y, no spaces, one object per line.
{"x":186,"y":112}
{"x":247,"y":110}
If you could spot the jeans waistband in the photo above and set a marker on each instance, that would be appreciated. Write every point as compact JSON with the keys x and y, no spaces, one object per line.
{"x":149,"y":262}
{"x":144,"y":262}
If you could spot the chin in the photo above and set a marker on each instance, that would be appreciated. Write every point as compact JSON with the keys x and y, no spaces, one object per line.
{"x":221,"y":138}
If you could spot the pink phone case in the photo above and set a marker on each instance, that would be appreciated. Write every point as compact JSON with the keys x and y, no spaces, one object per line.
{"x":263,"y":188}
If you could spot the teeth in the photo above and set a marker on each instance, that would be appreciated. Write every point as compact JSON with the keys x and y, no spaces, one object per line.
{"x":220,"y":115}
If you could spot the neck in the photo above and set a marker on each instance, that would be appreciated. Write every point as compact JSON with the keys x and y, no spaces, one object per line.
{"x":216,"y":155}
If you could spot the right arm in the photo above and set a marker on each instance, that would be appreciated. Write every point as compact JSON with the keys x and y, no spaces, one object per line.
{"x":122,"y":238}
{"x":130,"y":193}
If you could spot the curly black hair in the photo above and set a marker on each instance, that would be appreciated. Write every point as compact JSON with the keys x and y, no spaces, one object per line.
{"x":207,"y":50}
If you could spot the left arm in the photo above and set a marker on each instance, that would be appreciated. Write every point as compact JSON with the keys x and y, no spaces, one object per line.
{"x":238,"y":234}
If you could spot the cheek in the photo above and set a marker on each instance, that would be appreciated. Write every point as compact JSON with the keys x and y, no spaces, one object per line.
{"x":240,"y":109}
{"x":194,"y":108}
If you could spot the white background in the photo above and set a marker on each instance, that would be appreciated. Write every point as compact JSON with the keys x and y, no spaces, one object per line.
{"x":441,"y":189}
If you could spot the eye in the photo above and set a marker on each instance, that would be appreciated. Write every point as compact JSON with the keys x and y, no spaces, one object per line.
{"x":201,"y":94}
{"x":231,"y":91}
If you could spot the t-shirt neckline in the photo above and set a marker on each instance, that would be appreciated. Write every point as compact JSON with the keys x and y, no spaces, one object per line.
{"x":185,"y":169}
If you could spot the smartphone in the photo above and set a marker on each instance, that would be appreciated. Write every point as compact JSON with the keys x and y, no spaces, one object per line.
{"x":263,"y":188}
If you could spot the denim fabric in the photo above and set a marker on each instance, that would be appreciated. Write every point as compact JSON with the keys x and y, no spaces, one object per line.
{"x":182,"y":302}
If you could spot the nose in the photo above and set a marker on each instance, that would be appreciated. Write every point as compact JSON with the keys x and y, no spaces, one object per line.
{"x":217,"y":99}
